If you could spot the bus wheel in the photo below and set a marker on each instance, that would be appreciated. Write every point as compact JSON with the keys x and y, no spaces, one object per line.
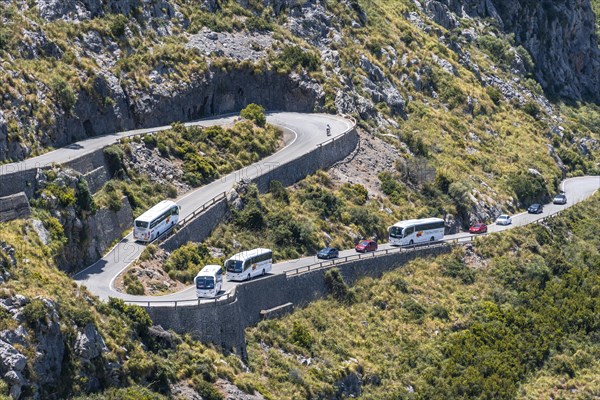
{"x":431,"y":240}
{"x":263,"y":272}
{"x":248,"y":277}
{"x":411,"y":242}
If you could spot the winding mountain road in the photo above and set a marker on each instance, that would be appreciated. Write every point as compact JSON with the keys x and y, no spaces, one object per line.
{"x":305,"y":132}
{"x":576,"y":189}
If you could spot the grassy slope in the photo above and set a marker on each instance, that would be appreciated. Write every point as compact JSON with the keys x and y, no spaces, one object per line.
{"x":516,"y":318}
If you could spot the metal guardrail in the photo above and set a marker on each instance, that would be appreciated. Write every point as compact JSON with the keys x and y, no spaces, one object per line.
{"x":189,"y":218}
{"x":400,"y":249}
{"x":331,"y":263}
{"x":360,"y":256}
{"x":224,"y":298}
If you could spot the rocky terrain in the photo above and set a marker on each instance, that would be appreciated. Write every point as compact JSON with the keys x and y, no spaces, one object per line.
{"x":201,"y":65}
{"x":466,"y":94}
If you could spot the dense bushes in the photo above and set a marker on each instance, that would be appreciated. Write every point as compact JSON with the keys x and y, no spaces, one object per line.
{"x":483,"y":322}
{"x":292,"y":57}
{"x":254,"y":113}
{"x":185,"y":262}
{"x":529,"y":188}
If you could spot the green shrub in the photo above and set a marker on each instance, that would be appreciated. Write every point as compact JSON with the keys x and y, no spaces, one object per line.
{"x":356,"y":193}
{"x":440,"y":312}
{"x":367,"y":221}
{"x":255,"y":113}
{"x":139,"y":318}
{"x":391,"y":186}
{"x":455,"y":267}
{"x":416,"y":310}
{"x":132,"y":285}
{"x":301,"y":335}
{"x":118,"y":24}
{"x":35,"y":312}
{"x":81,"y":316}
{"x":185,"y":262}
{"x":63,"y":92}
{"x":528,"y":187}
{"x":532,"y":108}
{"x":129,"y":393}
{"x":278,"y":191}
{"x":149,"y":252}
{"x":292,"y":57}
{"x":494,"y":94}
{"x":114,"y":156}
{"x":206,"y":390}
{"x":334,"y":282}
{"x":85,"y":200}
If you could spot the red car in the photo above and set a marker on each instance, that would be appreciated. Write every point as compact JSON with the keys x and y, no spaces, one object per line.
{"x":366,"y":245}
{"x":478,"y":228}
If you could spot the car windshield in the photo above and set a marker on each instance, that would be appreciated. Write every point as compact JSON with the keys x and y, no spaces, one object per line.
{"x":364,"y":243}
{"x":560,"y":196}
{"x":503,"y":217}
{"x":234,"y":266}
{"x":141,"y":224}
{"x":535,"y":206}
{"x":205,"y":282}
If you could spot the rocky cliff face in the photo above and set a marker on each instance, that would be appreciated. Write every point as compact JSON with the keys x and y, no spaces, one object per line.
{"x":559,"y":35}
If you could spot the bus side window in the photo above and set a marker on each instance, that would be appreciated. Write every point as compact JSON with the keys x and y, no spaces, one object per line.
{"x":175,"y":211}
{"x":409,"y":231}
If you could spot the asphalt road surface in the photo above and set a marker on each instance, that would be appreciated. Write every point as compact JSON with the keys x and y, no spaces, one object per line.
{"x":305,"y":132}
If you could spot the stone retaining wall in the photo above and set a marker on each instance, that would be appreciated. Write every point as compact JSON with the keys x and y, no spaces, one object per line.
{"x":224,"y":324}
{"x":14,"y":206}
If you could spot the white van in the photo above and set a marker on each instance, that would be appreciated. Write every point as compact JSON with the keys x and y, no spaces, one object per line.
{"x":209,"y":281}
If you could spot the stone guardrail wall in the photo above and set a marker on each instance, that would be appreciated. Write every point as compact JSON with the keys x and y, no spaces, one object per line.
{"x":22,"y":178}
{"x":223,"y":323}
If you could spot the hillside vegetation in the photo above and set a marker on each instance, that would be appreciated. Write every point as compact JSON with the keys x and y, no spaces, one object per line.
{"x":513,"y":316}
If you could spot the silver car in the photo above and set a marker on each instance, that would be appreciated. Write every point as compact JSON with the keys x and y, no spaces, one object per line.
{"x":504,"y":220}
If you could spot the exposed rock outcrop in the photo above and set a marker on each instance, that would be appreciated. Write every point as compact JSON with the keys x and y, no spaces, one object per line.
{"x":559,"y":35}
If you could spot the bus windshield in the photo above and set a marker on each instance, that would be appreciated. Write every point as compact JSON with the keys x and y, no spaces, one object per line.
{"x":234,"y":266}
{"x":141,"y":224}
{"x":205,"y":282}
{"x":396,"y":232}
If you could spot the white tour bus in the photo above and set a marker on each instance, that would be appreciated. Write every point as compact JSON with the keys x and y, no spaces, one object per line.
{"x":413,"y":231}
{"x":248,"y":264}
{"x":209,"y":281}
{"x":156,"y":221}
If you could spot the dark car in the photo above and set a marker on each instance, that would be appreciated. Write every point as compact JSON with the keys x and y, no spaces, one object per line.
{"x":535,"y":209}
{"x":328,"y":252}
{"x":478,"y":227}
{"x":366,"y":245}
{"x":560,"y":199}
